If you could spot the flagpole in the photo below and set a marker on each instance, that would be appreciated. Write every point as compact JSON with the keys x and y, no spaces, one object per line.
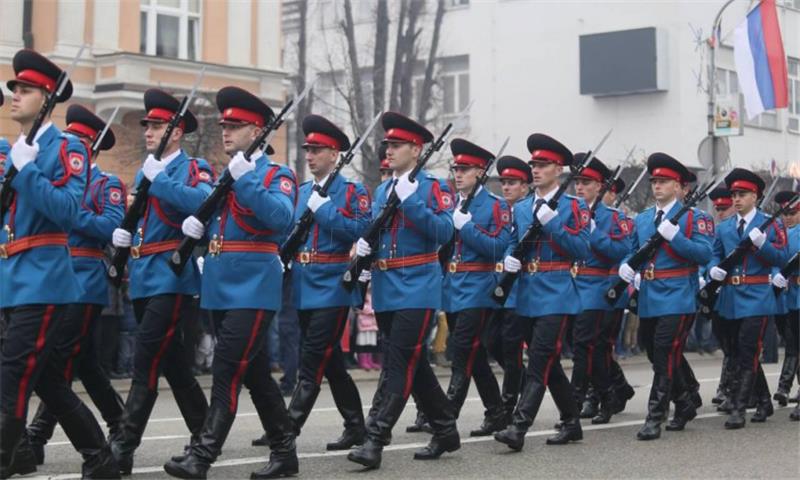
{"x":712,"y":88}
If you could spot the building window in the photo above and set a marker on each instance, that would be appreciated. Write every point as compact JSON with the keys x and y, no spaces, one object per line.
{"x":793,"y":123}
{"x":170,"y":28}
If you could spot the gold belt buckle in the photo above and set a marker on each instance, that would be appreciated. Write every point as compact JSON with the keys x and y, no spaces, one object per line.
{"x":135,"y":252}
{"x":650,"y":274}
{"x":797,"y":280}
{"x":533,"y":266}
{"x":452,"y":267}
{"x":215,"y":246}
{"x":382,"y":265}
{"x":305,"y":257}
{"x":736,"y":280}
{"x":498,"y":267}
{"x":573,"y":270}
{"x":3,"y":251}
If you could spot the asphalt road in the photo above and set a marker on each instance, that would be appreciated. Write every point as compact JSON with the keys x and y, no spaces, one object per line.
{"x":704,"y":450}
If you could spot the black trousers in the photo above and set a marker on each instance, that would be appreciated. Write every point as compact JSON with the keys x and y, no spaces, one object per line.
{"x":405,"y":363}
{"x":751,"y":342}
{"x":591,"y":331}
{"x":321,"y":352}
{"x":241,"y":357}
{"x":160,"y":341}
{"x":664,"y":339}
{"x":504,"y":343}
{"x":789,"y":328}
{"x":546,"y":341}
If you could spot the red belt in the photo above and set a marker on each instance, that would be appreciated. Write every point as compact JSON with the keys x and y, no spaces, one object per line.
{"x":455,"y":267}
{"x":154,"y":248}
{"x":651,"y":274}
{"x":594,"y":271}
{"x":16,"y":247}
{"x":747,"y":280}
{"x":87,"y":252}
{"x":539,"y":266}
{"x":318,"y":257}
{"x":409,"y":261}
{"x":216,"y":246}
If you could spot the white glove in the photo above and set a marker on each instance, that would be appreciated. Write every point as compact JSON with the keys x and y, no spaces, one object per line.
{"x":200,"y":262}
{"x":22,"y":154}
{"x":461,"y":219}
{"x":702,"y":281}
{"x":637,"y":281}
{"x":316,"y":200}
{"x":192,"y":227}
{"x":717,"y":274}
{"x":758,"y":237}
{"x":152,"y":167}
{"x":405,"y":188}
{"x":362,"y":248}
{"x":121,"y":238}
{"x":239,"y":165}
{"x":592,"y":226}
{"x":511,"y":264}
{"x":668,"y":230}
{"x":780,"y":281}
{"x":626,"y":272}
{"x":545,"y":214}
{"x":365,"y":276}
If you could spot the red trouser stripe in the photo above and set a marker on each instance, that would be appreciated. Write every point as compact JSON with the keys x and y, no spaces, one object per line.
{"x":152,"y":380}
{"x":243,"y":362}
{"x":760,"y":344}
{"x":476,"y":342}
{"x":556,"y":352}
{"x":674,"y":352}
{"x":76,"y":349}
{"x":412,"y":362}
{"x":30,"y":363}
{"x":326,"y":357}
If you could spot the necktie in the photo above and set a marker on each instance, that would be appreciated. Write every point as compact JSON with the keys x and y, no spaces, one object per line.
{"x":741,"y":227}
{"x":659,"y":216}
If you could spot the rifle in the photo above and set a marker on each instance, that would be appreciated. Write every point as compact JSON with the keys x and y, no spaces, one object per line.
{"x":95,"y":148}
{"x":707,"y":296}
{"x":793,"y":265}
{"x":297,"y":238}
{"x":446,"y":250}
{"x":770,"y":190}
{"x":624,"y":196}
{"x":6,"y":191}
{"x":179,"y":257}
{"x":536,"y":229}
{"x":139,"y":205}
{"x":649,"y":249}
{"x":359,"y":264}
{"x":607,"y":184}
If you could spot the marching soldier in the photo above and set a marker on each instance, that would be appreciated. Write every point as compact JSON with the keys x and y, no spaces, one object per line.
{"x":667,"y":292}
{"x":101,"y":210}
{"x":746,"y":298}
{"x":407,"y":285}
{"x":321,"y":301}
{"x":241,"y":287}
{"x":505,"y":328}
{"x":5,"y":147}
{"x":45,"y":206}
{"x":481,"y":237}
{"x":610,"y":240}
{"x":788,"y":323}
{"x":162,"y":300}
{"x":548,"y":296}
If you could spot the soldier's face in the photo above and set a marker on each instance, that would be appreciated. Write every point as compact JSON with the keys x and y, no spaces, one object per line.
{"x":513,"y":189}
{"x":26,"y":102}
{"x":587,"y":189}
{"x":465,"y":177}
{"x":791,"y":219}
{"x":402,"y":156}
{"x":238,"y":137}
{"x":664,"y":189}
{"x":545,"y":174}
{"x":725,"y":213}
{"x":743,"y":201}
{"x":153,"y":131}
{"x":320,"y":160}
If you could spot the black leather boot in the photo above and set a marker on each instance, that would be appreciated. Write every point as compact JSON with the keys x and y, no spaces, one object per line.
{"x":303,"y":399}
{"x":24,"y":461}
{"x":111,"y":407}
{"x":280,"y":435}
{"x":786,"y":379}
{"x":379,"y":432}
{"x":609,"y":404}
{"x":11,"y":431}
{"x":764,"y":409}
{"x":564,"y":398}
{"x":494,"y":420}
{"x":494,"y":416}
{"x":684,"y":412}
{"x":348,"y":402}
{"x":441,"y":414}
{"x":40,"y":431}
{"x":88,"y":439}
{"x":744,"y":386}
{"x":512,"y":383}
{"x":719,"y":397}
{"x":377,"y":401}
{"x":621,"y":387}
{"x":194,"y":409}
{"x":589,"y":406}
{"x":138,"y":407}
{"x":529,"y":402}
{"x":420,"y":425}
{"x":657,"y":408}
{"x":795,"y":414}
{"x":207,"y":447}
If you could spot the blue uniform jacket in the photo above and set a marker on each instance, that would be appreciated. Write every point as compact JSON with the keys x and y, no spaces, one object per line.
{"x":610,"y":242}
{"x":742,"y":301}
{"x":5,"y":148}
{"x":337,"y":225}
{"x":102,"y":209}
{"x":422,"y":224}
{"x":47,"y":202}
{"x":260,"y":210}
{"x":483,"y":240}
{"x":565,"y":240}
{"x":175,"y":194}
{"x":792,"y":296}
{"x":690,"y":248}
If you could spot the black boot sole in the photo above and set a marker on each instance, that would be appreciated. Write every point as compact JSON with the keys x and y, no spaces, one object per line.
{"x":513,"y":445}
{"x":179,"y":472}
{"x":365,"y":462}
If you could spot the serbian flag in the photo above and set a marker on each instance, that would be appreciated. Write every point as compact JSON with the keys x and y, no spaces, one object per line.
{"x":761,"y":61}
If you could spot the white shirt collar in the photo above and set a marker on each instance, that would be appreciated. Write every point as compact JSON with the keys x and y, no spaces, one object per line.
{"x":668,"y":207}
{"x":322,"y":182}
{"x":747,"y":218}
{"x":462,"y":197}
{"x":41,"y":131}
{"x":172,"y":156}
{"x":547,"y":197}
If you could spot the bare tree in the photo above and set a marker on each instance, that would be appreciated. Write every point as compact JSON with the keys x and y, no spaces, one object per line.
{"x":299,"y":81}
